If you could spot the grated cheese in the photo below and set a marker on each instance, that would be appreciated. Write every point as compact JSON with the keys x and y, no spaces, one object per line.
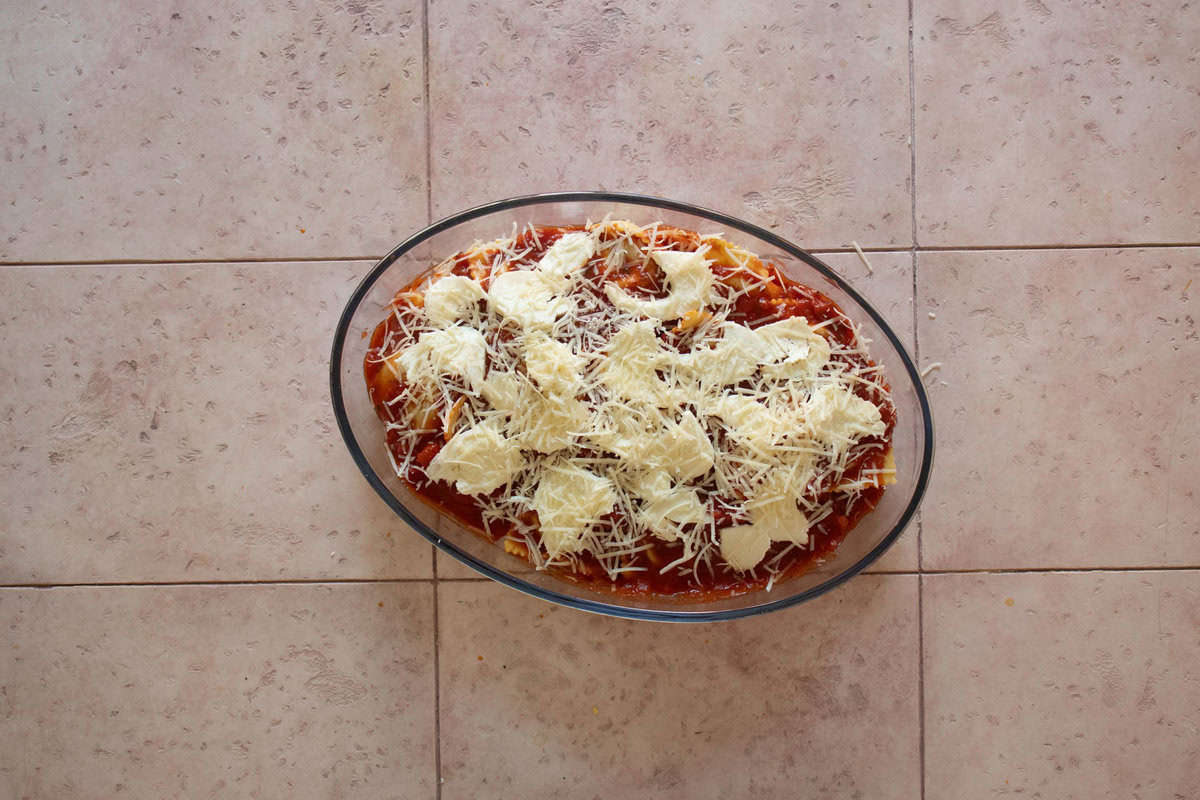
{"x":573,"y":394}
{"x":630,"y":368}
{"x":665,"y":503}
{"x":552,"y":365}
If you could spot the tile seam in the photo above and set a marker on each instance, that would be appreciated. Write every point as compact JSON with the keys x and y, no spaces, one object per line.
{"x":951,"y":248}
{"x":912,"y":147}
{"x":428,"y":114}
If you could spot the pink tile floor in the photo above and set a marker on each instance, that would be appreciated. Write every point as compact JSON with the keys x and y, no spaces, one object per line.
{"x":199,"y":595}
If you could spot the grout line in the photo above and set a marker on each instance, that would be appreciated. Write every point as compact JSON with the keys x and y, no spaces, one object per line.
{"x":1045,"y":246}
{"x":360,"y":581}
{"x":437,"y":692}
{"x":137,"y":262}
{"x":912,"y":153}
{"x":917,"y":357}
{"x":1061,"y":570}
{"x":180,"y":584}
{"x":912,"y":150}
{"x":950,"y":248}
{"x":912,"y":125}
{"x":920,"y":520}
{"x":428,"y":114}
{"x":921,"y":673}
{"x":141,"y":262}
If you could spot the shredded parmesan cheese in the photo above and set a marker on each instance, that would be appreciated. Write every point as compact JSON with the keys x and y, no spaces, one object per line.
{"x":863,"y":258}
{"x":616,"y":426}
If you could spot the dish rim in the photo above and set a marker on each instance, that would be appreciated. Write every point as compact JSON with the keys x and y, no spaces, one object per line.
{"x":669,"y":615}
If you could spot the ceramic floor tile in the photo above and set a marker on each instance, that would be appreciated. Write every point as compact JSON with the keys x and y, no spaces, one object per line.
{"x":1071,"y":686}
{"x":1068,"y":424}
{"x":174,"y":424}
{"x":452,"y":569}
{"x":794,"y":118}
{"x":819,"y":700}
{"x":886,"y":284}
{"x":1056,"y":122}
{"x":902,"y":557}
{"x":211,"y":130}
{"x":207,"y":691}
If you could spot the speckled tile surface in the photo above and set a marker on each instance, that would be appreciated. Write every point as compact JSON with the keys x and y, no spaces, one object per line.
{"x":1056,"y":123}
{"x":795,"y":118}
{"x":1082,"y":365}
{"x":164,"y":424}
{"x":172,"y":423}
{"x":1062,"y":685}
{"x":819,"y":701}
{"x":210,"y":130}
{"x":206,"y":691}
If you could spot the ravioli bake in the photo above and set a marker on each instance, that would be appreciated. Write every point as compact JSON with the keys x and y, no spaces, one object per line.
{"x":646,"y":410}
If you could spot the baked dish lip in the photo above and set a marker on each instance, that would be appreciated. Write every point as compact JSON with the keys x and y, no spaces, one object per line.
{"x":730,"y":225}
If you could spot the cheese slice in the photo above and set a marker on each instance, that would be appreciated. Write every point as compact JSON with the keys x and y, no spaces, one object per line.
{"x":774,"y":517}
{"x":736,"y":356}
{"x":535,"y":298}
{"x":567,"y":256}
{"x":777,"y":514}
{"x":749,"y":421}
{"x":503,"y":391}
{"x":689,"y":281}
{"x":835,"y":415}
{"x":478,"y":460}
{"x":743,"y":546}
{"x":664,"y":503}
{"x":622,"y":429}
{"x":451,"y":298}
{"x":528,"y":298}
{"x":552,"y":365}
{"x":682,"y":448}
{"x":548,"y":424}
{"x":632,"y":360}
{"x":567,"y":500}
{"x":457,"y":351}
{"x":792,"y":349}
{"x":541,"y":422}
